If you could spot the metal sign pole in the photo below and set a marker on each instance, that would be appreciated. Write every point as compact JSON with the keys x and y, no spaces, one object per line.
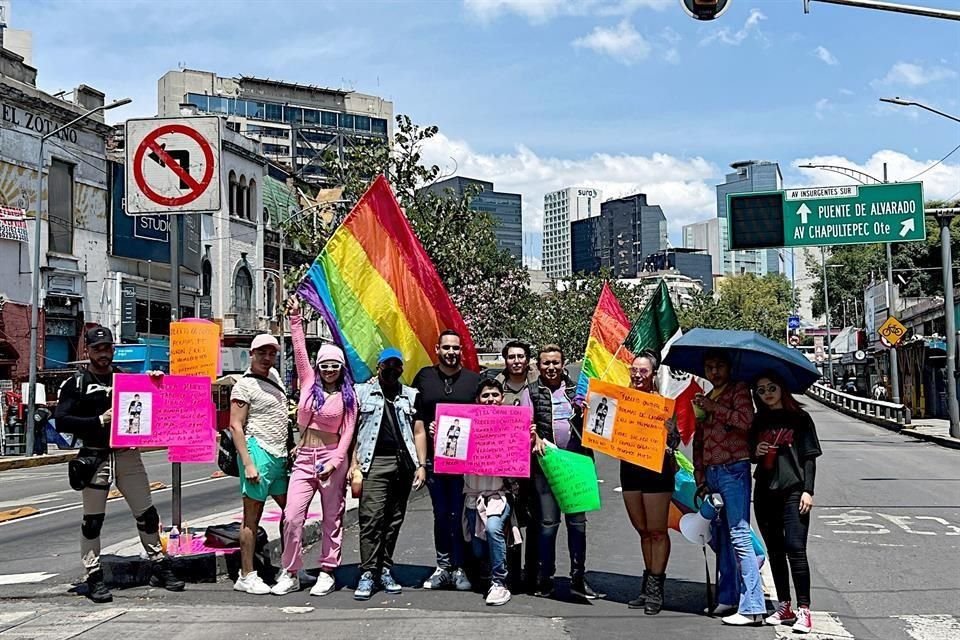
{"x":176,"y":471}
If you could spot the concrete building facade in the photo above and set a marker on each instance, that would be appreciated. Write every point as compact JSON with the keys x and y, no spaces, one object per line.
{"x":692,"y":263}
{"x":295,"y":123}
{"x":561,"y":209}
{"x":709,"y":236}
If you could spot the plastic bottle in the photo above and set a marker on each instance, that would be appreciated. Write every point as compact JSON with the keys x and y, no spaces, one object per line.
{"x":186,"y":539}
{"x":319,"y":467}
{"x":173,"y":542}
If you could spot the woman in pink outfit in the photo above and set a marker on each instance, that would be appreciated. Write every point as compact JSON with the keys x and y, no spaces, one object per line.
{"x":327,"y":416}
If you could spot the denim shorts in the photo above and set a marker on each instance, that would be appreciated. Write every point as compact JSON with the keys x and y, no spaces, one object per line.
{"x":274,"y":476}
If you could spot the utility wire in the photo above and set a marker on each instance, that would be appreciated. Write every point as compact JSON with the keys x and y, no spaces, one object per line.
{"x":934,"y":164}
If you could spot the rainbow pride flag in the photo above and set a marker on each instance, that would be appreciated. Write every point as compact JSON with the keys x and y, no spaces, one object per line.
{"x":375,"y":287}
{"x":606,"y":358}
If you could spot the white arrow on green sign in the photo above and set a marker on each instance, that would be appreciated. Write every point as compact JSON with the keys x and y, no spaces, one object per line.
{"x":853,"y":214}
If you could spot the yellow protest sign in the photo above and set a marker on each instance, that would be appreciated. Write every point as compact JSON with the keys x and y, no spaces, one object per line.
{"x":626,"y":424}
{"x":892,"y":330}
{"x":194,"y":348}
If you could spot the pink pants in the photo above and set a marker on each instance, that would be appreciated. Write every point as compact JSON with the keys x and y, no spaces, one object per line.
{"x":304,"y":484}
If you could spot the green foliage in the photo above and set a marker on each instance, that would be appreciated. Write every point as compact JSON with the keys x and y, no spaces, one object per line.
{"x":746,"y":302}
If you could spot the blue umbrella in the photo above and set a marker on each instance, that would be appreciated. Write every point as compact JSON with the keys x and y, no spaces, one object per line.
{"x":751,"y":354}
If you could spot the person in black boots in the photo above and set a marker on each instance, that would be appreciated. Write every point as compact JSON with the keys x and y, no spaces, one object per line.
{"x":85,"y":410}
{"x":785,"y":449}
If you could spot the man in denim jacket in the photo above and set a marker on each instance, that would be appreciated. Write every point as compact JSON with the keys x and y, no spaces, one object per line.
{"x":391,"y":452}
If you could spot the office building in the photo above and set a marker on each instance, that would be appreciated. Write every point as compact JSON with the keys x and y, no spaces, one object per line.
{"x":709,"y":236}
{"x":560,"y":210}
{"x":749,"y":176}
{"x":626,"y":232}
{"x":692,"y":263}
{"x":295,"y":124}
{"x":505,"y":208}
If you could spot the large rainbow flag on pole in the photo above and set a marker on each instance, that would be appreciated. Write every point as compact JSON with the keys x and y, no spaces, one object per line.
{"x":375,"y":287}
{"x":606,"y":358}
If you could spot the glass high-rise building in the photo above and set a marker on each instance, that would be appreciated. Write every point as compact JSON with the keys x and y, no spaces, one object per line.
{"x":505,"y":208}
{"x":750,"y":176}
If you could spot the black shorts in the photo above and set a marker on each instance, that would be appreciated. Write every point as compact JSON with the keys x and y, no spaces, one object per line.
{"x":634,"y":478}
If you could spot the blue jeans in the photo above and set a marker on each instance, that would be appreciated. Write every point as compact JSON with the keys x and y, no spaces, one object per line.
{"x":495,"y":546}
{"x":738,"y":578}
{"x":446,"y":493}
{"x":550,"y":526}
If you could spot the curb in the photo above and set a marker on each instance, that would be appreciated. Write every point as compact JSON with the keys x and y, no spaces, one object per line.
{"x":134,"y":571}
{"x":36,"y":461}
{"x":943,"y":441}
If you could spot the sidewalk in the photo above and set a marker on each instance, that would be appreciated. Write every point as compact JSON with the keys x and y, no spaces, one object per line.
{"x":124,"y":563}
{"x":27,"y":462}
{"x":932,"y":430}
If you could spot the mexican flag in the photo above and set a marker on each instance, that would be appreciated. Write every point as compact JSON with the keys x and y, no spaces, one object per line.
{"x":654,"y":331}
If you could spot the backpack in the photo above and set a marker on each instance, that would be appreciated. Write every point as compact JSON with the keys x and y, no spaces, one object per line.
{"x":227,"y":458}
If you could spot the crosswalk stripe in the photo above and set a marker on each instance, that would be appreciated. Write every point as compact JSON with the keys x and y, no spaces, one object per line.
{"x":825,"y":625}
{"x":931,"y":627}
{"x":25,"y":578}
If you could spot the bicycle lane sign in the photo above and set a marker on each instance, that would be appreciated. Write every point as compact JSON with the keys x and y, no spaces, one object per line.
{"x":891,"y":331}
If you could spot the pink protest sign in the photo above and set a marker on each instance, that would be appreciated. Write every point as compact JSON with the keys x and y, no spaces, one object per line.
{"x":197,"y":454}
{"x":485,"y":440}
{"x":168,"y":411}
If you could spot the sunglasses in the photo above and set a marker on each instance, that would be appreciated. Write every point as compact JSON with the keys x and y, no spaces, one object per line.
{"x":637,"y":372}
{"x":772,"y":388}
{"x":330,"y":366}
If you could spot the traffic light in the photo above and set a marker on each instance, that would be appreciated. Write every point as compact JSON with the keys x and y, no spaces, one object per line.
{"x":705,"y":9}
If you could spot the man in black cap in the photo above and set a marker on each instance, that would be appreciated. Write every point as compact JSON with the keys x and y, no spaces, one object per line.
{"x":84,"y":409}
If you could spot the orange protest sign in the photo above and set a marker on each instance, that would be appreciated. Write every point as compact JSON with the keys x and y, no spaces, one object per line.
{"x":194,"y":349}
{"x":626,"y":424}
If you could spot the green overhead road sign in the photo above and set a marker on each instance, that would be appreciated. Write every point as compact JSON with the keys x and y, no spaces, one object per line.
{"x":824,"y":216}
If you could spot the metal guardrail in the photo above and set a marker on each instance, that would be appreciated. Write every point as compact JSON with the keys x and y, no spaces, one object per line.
{"x":877,"y":411}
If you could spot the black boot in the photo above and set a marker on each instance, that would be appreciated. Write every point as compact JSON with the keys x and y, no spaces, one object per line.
{"x":162,"y":576}
{"x":97,"y":589}
{"x":640,"y":600}
{"x":654,"y":595}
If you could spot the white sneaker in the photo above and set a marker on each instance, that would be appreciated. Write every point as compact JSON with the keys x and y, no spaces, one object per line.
{"x":804,"y":623}
{"x":325,"y":584}
{"x":251,"y":583}
{"x":740,"y":620}
{"x":498,"y":595}
{"x":286,"y":583}
{"x":460,"y":581}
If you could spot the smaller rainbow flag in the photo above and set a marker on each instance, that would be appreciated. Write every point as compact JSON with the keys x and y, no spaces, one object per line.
{"x":375,"y":287}
{"x":606,"y":358}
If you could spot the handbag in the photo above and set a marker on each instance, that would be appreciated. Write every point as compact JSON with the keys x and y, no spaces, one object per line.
{"x":82,"y":468}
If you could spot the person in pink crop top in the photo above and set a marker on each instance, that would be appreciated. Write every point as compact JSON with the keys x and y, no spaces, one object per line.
{"x":327,"y":417}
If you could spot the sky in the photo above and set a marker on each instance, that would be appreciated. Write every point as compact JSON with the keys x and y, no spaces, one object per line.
{"x":622,"y":95}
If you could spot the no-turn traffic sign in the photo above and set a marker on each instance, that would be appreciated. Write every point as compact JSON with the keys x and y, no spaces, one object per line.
{"x":173,"y":165}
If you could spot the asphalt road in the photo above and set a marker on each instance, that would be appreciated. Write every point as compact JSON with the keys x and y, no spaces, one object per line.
{"x":884,"y":557}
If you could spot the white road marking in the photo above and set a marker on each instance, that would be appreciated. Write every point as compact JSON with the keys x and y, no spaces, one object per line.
{"x":61,"y":625}
{"x":71,"y":507}
{"x":854,"y":518}
{"x":826,"y":626}
{"x":14,"y":617}
{"x":932,"y":627}
{"x":25,"y":578}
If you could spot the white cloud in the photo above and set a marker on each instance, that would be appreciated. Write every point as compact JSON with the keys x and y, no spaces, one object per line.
{"x":914,"y":75}
{"x":670,"y":51}
{"x":846,"y":92}
{"x":821,"y":107}
{"x":735,"y":38}
{"x":825,"y":56}
{"x":622,"y":42}
{"x":942,"y":181}
{"x":539,"y":11}
{"x":683,"y":186}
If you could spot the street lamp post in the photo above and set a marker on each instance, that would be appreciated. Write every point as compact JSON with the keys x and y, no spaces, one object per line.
{"x":944,"y":216}
{"x":35,"y":288}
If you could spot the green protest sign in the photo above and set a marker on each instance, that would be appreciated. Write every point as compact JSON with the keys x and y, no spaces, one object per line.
{"x":573,"y":480}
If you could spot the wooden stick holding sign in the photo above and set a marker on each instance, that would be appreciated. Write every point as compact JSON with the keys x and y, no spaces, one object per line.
{"x":626,"y":424}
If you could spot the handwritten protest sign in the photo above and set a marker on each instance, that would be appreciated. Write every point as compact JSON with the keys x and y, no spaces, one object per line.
{"x":194,"y":348}
{"x":626,"y":424}
{"x":573,"y":480}
{"x":485,"y":440}
{"x":172,"y":411}
{"x":200,"y":453}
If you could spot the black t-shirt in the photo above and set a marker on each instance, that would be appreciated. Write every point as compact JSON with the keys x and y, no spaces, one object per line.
{"x":389,"y":438}
{"x":84,"y":397}
{"x":434,"y":387}
{"x":798,"y":446}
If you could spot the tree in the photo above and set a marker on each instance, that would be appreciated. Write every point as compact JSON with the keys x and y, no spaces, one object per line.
{"x":489,"y":286}
{"x":745,"y":302}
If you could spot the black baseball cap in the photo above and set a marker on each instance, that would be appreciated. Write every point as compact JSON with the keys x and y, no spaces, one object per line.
{"x":97,"y":335}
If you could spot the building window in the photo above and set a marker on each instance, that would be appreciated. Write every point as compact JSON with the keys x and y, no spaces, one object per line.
{"x":271,"y":298}
{"x":346,"y":121}
{"x":206,"y":278}
{"x":242,"y":198}
{"x":274,"y":112}
{"x":362,"y":123}
{"x":251,"y":203}
{"x":243,"y":297}
{"x":378,"y":125}
{"x":328,"y":119}
{"x":232,"y":181}
{"x":60,"y":207}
